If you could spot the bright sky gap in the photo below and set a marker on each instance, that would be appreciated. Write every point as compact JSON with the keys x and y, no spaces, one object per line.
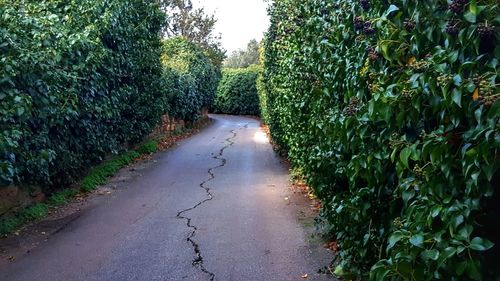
{"x":239,"y":21}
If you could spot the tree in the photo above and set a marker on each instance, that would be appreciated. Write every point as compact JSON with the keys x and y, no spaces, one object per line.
{"x":195,"y":25}
{"x":244,"y":58}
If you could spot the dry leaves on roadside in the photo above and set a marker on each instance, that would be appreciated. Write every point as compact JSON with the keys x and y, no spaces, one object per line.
{"x":332,"y":246}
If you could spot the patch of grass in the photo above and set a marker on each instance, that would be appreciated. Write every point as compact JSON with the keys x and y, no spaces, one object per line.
{"x":99,"y":174}
{"x":34,"y":212}
{"x":61,"y":198}
{"x":31,"y":213}
{"x":151,"y":146}
{"x":9,"y":225}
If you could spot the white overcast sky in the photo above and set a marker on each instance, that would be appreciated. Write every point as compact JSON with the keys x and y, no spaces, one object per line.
{"x":239,"y":21}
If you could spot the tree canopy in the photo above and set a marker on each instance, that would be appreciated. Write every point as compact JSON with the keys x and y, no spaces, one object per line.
{"x":196,"y":25}
{"x":244,"y":57}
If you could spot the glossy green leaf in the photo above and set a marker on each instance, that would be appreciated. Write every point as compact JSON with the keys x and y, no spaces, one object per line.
{"x":480,"y":244}
{"x":417,"y":240}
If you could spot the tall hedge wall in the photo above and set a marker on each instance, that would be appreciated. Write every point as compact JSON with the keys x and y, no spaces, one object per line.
{"x":237,"y":92}
{"x":390,"y":110}
{"x":79,"y":80}
{"x":195,"y":76}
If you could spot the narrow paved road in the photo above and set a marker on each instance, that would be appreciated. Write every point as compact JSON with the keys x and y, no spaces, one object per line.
{"x":212,"y":208}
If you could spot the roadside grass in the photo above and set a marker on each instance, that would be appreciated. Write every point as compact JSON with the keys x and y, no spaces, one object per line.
{"x":100,"y":174}
{"x":62,"y":197}
{"x":36,"y":211}
{"x":96,"y":177}
{"x":151,"y":146}
{"x":28,"y":214}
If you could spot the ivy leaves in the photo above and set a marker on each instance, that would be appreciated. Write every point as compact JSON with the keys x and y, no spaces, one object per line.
{"x":79,"y":80}
{"x":389,"y":111}
{"x":192,"y":78}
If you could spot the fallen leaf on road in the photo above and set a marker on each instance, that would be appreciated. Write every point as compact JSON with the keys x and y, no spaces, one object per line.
{"x":332,"y":246}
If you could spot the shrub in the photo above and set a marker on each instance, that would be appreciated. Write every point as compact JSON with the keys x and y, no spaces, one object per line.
{"x":237,"y":92}
{"x":192,"y":78}
{"x":78,"y":81}
{"x":391,"y":111}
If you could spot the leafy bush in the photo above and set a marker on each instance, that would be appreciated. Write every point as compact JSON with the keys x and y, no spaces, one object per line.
{"x":390,"y":109}
{"x":83,"y":80}
{"x":192,"y":78}
{"x":78,"y":81}
{"x":237,"y":92}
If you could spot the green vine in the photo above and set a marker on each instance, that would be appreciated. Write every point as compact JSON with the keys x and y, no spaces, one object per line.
{"x":390,"y":109}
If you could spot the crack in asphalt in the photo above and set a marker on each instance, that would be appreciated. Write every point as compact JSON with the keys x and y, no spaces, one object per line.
{"x":198,"y":258}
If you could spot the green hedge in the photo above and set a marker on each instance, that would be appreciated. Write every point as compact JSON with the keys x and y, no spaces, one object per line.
{"x":390,"y":110}
{"x":83,"y":79}
{"x":237,"y":92}
{"x":192,"y":75}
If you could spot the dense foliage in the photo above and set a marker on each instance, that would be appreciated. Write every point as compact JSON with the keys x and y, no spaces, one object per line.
{"x":237,"y":92}
{"x":75,"y":69}
{"x":192,"y":76}
{"x":82,"y":79}
{"x":390,"y":110}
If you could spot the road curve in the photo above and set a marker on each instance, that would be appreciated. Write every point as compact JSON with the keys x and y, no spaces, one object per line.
{"x":212,"y":208}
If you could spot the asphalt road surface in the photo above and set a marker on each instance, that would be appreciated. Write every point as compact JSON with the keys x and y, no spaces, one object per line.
{"x":215,"y":207}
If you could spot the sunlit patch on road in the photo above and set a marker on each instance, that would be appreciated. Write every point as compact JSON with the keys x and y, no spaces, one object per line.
{"x":260,"y":137}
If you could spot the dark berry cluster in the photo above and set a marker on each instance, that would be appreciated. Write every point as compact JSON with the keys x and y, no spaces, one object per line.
{"x":365,"y":4}
{"x":359,"y":23}
{"x":457,"y":6}
{"x":452,"y":28}
{"x":476,"y":79}
{"x":373,"y":55}
{"x":485,"y":31}
{"x":368,"y":28}
{"x":486,"y":91}
{"x":409,"y":25}
{"x":352,"y":108}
